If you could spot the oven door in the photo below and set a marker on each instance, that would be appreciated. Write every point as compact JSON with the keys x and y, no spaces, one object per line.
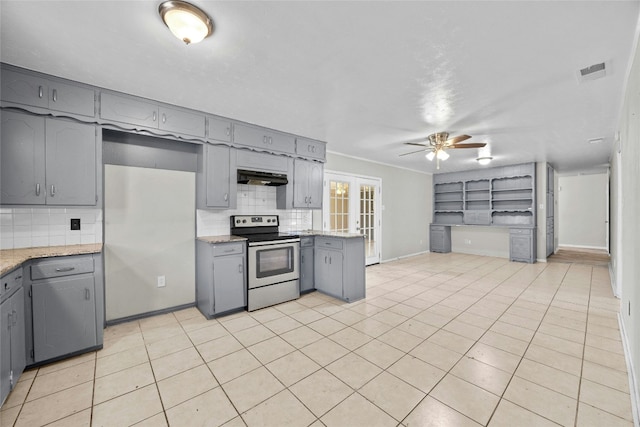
{"x":273,"y":262}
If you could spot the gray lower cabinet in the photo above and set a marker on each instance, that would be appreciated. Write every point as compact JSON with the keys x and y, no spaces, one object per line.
{"x":522,"y":244}
{"x":307,"y":184}
{"x":216,"y":185}
{"x":340,"y":267}
{"x":439,"y":238}
{"x":221,"y":285}
{"x":12,"y":335}
{"x":37,"y":91}
{"x":47,"y":161}
{"x":306,"y":264}
{"x":66,"y":307}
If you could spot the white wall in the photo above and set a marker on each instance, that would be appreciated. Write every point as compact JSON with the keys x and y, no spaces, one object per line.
{"x":406,"y":199}
{"x":627,"y":190}
{"x":582,"y":211}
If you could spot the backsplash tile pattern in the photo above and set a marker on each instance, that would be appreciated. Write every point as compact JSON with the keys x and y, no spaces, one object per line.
{"x":252,"y":200}
{"x":31,"y":227}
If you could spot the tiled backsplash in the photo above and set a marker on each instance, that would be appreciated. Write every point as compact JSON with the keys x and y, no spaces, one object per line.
{"x":30,"y":227}
{"x":252,"y":200}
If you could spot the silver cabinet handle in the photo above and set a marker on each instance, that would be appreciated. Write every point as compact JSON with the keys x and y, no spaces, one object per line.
{"x":228,"y":251}
{"x":55,"y":95}
{"x":325,"y":259}
{"x":306,"y":200}
{"x":264,"y":139}
{"x":40,"y":94}
{"x":37,"y":189}
{"x":14,"y":317}
{"x":53,"y":190}
{"x":18,"y":277}
{"x":9,"y":319}
{"x":309,"y":200}
{"x":164,"y":118}
{"x":228,"y":130}
{"x":65,"y":269}
{"x":270,"y":140}
{"x":155,"y":116}
{"x":87,"y":294}
{"x":240,"y":268}
{"x":226,"y":196}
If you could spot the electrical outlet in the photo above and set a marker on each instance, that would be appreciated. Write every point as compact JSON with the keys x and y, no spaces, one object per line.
{"x":161,"y":281}
{"x":75,"y":223}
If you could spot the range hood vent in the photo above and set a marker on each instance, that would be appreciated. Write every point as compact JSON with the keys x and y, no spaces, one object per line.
{"x":261,"y":178}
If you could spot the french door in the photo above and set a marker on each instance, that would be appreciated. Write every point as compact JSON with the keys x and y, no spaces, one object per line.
{"x":352,"y":204}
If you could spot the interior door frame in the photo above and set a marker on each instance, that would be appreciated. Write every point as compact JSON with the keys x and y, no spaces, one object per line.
{"x":354,"y":205}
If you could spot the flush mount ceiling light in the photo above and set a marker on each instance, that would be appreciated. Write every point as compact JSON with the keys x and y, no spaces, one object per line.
{"x":187,"y":22}
{"x":484,"y":160}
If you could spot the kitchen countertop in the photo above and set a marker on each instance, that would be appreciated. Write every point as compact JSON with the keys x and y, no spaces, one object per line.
{"x":326,"y":233}
{"x":222,"y":239}
{"x":12,"y":258}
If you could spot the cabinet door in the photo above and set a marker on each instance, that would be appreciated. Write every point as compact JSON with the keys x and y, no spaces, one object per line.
{"x":301,"y":171}
{"x":71,"y":99}
{"x":520,"y":247}
{"x":263,"y":139}
{"x":328,"y":272}
{"x":310,"y":149}
{"x":18,"y":347}
{"x":71,"y":163}
{"x":218,"y":176}
{"x":219,"y":129}
{"x":128,"y":110}
{"x":229,"y":291}
{"x":335,"y":273}
{"x":306,"y":269}
{"x":436,"y":240}
{"x":24,"y":89}
{"x":64,"y":316}
{"x":5,"y":349}
{"x":316,"y":177}
{"x":22,"y":159}
{"x":180,"y":121}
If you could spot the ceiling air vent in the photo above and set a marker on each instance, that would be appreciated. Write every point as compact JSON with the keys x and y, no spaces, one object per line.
{"x":593,"y":72}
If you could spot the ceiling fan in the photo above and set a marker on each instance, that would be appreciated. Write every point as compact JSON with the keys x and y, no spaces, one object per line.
{"x":439,"y":142}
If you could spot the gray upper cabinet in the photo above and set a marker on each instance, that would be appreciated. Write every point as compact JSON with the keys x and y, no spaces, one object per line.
{"x":218,"y":177}
{"x":37,"y":91}
{"x":22,"y":159}
{"x":310,"y":149}
{"x":263,"y":139}
{"x":47,"y":161}
{"x":140,"y":112}
{"x":307,"y":184}
{"x":219,"y":129}
{"x":70,"y":163}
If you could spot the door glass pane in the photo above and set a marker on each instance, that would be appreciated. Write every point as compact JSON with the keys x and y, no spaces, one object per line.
{"x":339,"y":205}
{"x":367,"y":195}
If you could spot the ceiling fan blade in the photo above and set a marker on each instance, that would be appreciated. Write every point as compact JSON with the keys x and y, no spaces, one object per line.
{"x":457,"y":139}
{"x":416,"y":144}
{"x":414,"y":152}
{"x":471,"y":145}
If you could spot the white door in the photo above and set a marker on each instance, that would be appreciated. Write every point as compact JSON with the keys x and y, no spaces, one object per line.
{"x":352,"y":204}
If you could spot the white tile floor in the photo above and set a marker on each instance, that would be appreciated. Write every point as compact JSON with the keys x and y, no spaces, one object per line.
{"x":441,"y":340}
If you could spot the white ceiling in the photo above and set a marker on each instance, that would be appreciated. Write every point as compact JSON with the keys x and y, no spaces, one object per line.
{"x":363,"y":76}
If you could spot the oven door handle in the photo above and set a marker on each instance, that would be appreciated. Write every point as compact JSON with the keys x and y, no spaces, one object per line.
{"x":274,"y":242}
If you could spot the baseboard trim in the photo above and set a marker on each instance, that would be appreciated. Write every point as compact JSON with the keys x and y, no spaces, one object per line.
{"x":403,"y":256}
{"x":541,"y":260}
{"x":631,"y":372}
{"x":599,"y":248}
{"x":612,"y":280}
{"x":113,"y":322}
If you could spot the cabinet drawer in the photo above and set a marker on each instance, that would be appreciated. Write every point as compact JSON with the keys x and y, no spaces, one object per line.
{"x":521,"y":231}
{"x":306,"y":241}
{"x":329,"y":243}
{"x":310,"y":149}
{"x":228,"y":249}
{"x":10,"y":281}
{"x":62,"y":267}
{"x":437,"y":227}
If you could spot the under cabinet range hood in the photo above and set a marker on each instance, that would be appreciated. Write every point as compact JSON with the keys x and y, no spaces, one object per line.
{"x":261,"y":178}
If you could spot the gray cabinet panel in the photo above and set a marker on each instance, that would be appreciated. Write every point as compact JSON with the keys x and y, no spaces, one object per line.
{"x":128,"y":110}
{"x":328,"y":271}
{"x":306,"y":268}
{"x":263,"y":139}
{"x":440,"y":238}
{"x":229,"y":292}
{"x":71,"y":99}
{"x":219,"y":129}
{"x":64,"y":316}
{"x":252,"y":160}
{"x":5,"y":350}
{"x":307,"y":184}
{"x":218,"y":176}
{"x":22,"y":159}
{"x":181,"y":121}
{"x":522,"y":244}
{"x":310,"y":149}
{"x":12,"y":342}
{"x":71,"y":163}
{"x":24,"y":89}
{"x":339,"y":267}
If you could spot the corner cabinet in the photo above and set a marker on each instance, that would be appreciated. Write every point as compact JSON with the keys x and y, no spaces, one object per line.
{"x":221,"y":284}
{"x":47,"y":161}
{"x":307,"y":184}
{"x":12,"y":335}
{"x":66,"y":307}
{"x":340,"y":267}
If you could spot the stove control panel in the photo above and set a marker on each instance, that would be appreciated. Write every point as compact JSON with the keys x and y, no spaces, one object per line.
{"x":239,"y":221}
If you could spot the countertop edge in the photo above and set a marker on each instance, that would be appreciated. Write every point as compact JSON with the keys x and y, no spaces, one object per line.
{"x":11,"y":259}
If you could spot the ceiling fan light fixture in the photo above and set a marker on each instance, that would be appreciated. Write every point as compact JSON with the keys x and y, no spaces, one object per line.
{"x":484,"y":160}
{"x":430,"y":155}
{"x":187,"y":22}
{"x":442,"y":155}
